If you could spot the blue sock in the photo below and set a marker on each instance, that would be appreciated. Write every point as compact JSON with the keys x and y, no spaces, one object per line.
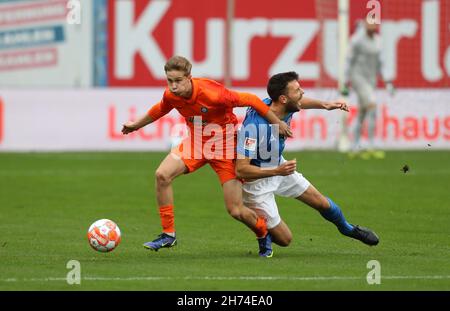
{"x":334,"y":215}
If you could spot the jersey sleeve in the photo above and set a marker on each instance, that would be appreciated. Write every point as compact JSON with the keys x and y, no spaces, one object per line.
{"x":247,"y":141}
{"x":160,"y":109}
{"x":238,"y":99}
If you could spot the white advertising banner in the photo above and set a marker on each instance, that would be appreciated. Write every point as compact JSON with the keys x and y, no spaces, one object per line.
{"x":46,"y":43}
{"x":63,"y":120}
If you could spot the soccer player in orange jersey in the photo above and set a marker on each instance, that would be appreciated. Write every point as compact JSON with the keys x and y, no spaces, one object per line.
{"x":207,"y":107}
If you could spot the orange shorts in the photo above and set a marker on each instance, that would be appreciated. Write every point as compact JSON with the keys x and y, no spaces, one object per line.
{"x":224,"y":168}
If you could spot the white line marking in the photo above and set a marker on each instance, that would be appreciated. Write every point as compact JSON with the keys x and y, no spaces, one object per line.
{"x":231,"y":278}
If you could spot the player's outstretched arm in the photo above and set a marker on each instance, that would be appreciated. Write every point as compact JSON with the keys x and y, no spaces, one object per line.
{"x":132,"y":126}
{"x":248,"y":99}
{"x":284,"y":129}
{"x":157,"y":111}
{"x":310,"y":103}
{"x":247,"y":171}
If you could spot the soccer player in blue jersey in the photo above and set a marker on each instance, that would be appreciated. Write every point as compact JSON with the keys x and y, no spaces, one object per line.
{"x":266,"y":173}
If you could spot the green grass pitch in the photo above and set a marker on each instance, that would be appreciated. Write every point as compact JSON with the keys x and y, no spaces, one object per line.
{"x":48,"y":201}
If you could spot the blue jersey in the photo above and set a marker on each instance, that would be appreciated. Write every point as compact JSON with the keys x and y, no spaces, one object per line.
{"x":260,"y":142}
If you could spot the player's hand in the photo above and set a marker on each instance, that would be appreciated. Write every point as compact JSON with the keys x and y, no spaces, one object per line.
{"x":345,"y":90}
{"x":287,"y":168}
{"x":128,"y":128}
{"x":390,"y":88}
{"x":285,"y":130}
{"x":337,"y":104}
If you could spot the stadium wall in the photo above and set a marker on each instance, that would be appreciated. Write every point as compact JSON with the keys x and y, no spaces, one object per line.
{"x":128,"y":46}
{"x":272,"y":37}
{"x":46,"y":43}
{"x":125,"y":49}
{"x":63,"y":120}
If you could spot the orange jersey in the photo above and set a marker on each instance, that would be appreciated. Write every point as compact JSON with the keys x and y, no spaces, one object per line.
{"x":214,"y":104}
{"x":211,"y":101}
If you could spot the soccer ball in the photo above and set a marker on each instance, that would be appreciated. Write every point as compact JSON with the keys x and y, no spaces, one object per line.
{"x":104,"y":235}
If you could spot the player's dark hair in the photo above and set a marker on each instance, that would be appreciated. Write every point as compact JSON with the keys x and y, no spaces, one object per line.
{"x":278,"y":83}
{"x":179,"y":63}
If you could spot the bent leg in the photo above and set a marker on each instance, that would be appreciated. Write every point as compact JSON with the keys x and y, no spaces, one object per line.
{"x":232,"y":191}
{"x":266,"y":207}
{"x":281,"y":234}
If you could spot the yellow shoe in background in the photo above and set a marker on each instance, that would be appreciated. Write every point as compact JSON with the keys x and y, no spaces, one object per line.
{"x":378,"y":154}
{"x":366,"y":155}
{"x":353,"y":154}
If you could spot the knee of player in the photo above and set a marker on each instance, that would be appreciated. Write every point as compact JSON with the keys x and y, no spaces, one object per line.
{"x":235,"y":211}
{"x":285,"y":240}
{"x":162,"y":177}
{"x":281,"y":236}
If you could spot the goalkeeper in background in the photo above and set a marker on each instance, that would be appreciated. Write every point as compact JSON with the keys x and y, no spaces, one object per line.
{"x":363,"y":65}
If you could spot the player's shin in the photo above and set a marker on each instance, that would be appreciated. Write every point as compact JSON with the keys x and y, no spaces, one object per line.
{"x":260,"y":227}
{"x":335,"y":215}
{"x":167,"y":219}
{"x":254,"y":221}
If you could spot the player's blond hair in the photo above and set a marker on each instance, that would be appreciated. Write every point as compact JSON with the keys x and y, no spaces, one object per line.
{"x":179,"y":63}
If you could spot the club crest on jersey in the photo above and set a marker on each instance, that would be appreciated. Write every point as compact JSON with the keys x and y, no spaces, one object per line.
{"x":250,"y":144}
{"x":204,"y":109}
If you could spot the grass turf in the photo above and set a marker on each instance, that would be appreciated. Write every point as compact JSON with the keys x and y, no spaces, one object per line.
{"x":48,"y":200}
